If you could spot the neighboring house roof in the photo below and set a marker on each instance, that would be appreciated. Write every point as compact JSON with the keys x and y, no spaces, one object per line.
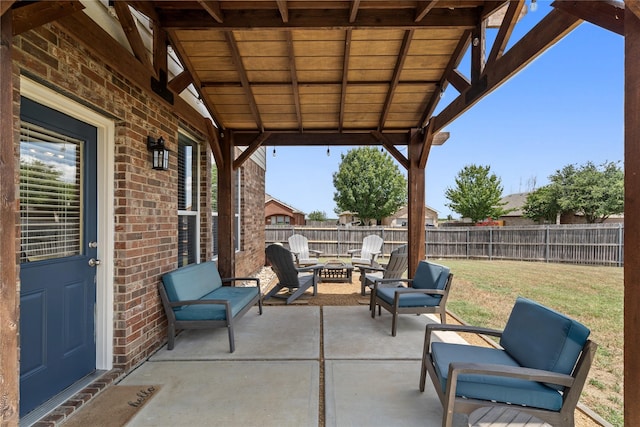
{"x":268,"y":198}
{"x":514,"y":201}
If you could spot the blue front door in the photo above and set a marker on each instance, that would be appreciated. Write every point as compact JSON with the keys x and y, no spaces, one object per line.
{"x":58,"y":238}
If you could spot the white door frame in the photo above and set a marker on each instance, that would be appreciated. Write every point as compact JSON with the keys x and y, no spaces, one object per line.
{"x":105,"y":220}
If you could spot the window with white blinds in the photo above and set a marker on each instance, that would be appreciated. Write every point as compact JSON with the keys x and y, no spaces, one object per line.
{"x":50,"y":194}
{"x":188,"y":206}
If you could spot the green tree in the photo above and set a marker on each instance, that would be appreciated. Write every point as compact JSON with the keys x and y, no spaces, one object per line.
{"x":542,"y":205}
{"x":596,"y":192}
{"x":317,"y":216}
{"x":370,"y":183}
{"x":477,"y":194}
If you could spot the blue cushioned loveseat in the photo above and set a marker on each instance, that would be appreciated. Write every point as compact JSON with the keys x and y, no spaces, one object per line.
{"x":540,"y":368}
{"x":194,"y":298}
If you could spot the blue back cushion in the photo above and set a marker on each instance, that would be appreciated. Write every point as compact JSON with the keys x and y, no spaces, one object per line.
{"x":430,"y":276}
{"x":192,"y":282}
{"x":538,"y":337}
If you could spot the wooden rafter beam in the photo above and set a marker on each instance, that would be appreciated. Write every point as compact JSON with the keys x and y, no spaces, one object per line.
{"x":453,"y":63}
{"x":423,"y":8}
{"x":312,"y":18}
{"x":82,"y":28}
{"x":214,"y":143}
{"x":401,"y":158}
{"x":146,"y":8}
{"x":213,"y":9}
{"x":427,"y":142}
{"x":353,"y":10}
{"x":128,"y":24}
{"x":283,"y":9}
{"x":36,"y":14}
{"x":242,"y":72}
{"x":478,"y":45}
{"x":393,"y":84}
{"x":292,"y":139}
{"x":255,"y":144}
{"x":345,"y":73}
{"x":180,"y":82}
{"x":294,"y":79}
{"x":545,"y":34}
{"x":504,"y":33}
{"x":605,"y":14}
{"x":458,"y":81}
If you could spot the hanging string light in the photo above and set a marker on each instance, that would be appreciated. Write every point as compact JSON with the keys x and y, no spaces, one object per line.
{"x":328,"y":152}
{"x":274,"y":151}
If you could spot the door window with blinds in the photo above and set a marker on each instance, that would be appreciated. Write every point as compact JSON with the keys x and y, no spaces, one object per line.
{"x":50,"y":194}
{"x":188,"y":206}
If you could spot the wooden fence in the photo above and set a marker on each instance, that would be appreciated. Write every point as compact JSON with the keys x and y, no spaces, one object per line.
{"x":600,"y":244}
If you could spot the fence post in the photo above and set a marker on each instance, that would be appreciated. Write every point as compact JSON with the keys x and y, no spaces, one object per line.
{"x":468,"y":243}
{"x":620,"y":244}
{"x":490,"y":243}
{"x":546,"y":243}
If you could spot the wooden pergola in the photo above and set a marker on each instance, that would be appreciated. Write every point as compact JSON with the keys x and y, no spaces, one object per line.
{"x":341,"y":72}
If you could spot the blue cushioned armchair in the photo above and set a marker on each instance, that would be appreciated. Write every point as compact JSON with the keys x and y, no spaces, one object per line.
{"x":540,"y":369}
{"x":427,"y":292}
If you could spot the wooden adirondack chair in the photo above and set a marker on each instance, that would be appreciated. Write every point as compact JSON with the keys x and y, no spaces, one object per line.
{"x":371,"y":248}
{"x":295,"y":280}
{"x":299,"y":246}
{"x":394,"y":269}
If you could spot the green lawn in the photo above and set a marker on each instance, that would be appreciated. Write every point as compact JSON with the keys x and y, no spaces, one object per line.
{"x":483,"y":293}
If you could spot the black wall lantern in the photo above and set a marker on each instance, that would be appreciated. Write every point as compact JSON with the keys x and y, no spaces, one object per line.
{"x":160,"y":154}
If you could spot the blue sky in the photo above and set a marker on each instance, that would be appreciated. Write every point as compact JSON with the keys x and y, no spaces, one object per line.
{"x":564,"y":108}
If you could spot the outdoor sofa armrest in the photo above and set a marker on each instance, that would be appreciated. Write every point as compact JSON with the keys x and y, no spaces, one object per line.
{"x":445,"y":327}
{"x":380,"y":281}
{"x":201,"y":302}
{"x":530,"y":374}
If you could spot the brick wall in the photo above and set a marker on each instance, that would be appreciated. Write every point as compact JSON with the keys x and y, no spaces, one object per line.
{"x":145,"y":200}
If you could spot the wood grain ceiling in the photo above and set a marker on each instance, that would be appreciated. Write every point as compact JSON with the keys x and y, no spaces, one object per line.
{"x":320,"y":66}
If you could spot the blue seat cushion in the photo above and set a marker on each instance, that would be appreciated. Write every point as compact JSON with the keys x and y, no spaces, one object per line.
{"x":538,"y":337}
{"x":408,"y":299}
{"x":488,"y":387}
{"x":237,"y":297}
{"x":430,"y":276}
{"x":192,"y":282}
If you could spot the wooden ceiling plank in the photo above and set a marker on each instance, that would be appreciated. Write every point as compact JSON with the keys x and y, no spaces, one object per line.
{"x":213,"y":9}
{"x":235,"y":53}
{"x":128,"y":24}
{"x":632,"y":7}
{"x":181,"y":82}
{"x":504,"y":33}
{"x":283,"y":9}
{"x":294,"y":78}
{"x":33,"y":15}
{"x":353,"y":12}
{"x":605,"y":14}
{"x":248,"y":152}
{"x":345,"y":73}
{"x":545,"y":34}
{"x":260,"y":19}
{"x":5,"y":5}
{"x":391,"y":149}
{"x":402,"y":56}
{"x":423,"y":8}
{"x":453,"y":63}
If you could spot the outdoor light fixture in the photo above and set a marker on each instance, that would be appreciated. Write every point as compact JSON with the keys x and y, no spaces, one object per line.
{"x":328,"y":152}
{"x":534,"y":5}
{"x":160,"y":154}
{"x":274,"y":151}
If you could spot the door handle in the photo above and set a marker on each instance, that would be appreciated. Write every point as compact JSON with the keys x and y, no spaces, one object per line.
{"x":94,"y":262}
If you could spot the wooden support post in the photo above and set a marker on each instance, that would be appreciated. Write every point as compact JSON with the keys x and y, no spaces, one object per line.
{"x":416,"y":206}
{"x":9,"y":321}
{"x":632,"y":219}
{"x":226,"y":204}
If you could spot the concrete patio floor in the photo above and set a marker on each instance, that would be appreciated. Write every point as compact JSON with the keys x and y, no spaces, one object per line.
{"x":285,"y":361}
